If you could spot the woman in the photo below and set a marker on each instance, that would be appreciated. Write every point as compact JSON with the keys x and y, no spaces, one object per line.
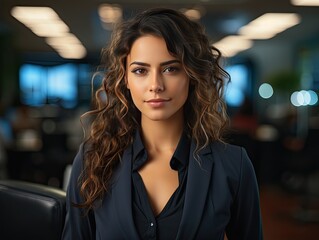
{"x":154,"y":165}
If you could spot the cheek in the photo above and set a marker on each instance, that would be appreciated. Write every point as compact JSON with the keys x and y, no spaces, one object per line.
{"x":133,"y":87}
{"x":182,"y":88}
{"x":132,"y":82}
{"x":136,"y":91}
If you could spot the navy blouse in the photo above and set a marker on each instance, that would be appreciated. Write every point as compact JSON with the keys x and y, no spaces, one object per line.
{"x":165,"y":225}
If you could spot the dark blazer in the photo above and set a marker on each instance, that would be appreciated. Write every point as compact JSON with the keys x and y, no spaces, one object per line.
{"x":221,"y":196}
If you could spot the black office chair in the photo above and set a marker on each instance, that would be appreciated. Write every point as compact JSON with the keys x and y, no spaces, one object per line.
{"x":30,"y":211}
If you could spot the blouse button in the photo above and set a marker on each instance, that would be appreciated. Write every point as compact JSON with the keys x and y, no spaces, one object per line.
{"x":152,"y":224}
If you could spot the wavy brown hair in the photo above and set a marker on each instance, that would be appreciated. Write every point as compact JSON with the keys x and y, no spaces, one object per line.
{"x":115,"y":118}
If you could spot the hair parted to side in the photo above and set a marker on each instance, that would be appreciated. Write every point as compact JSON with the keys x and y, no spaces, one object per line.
{"x":115,"y":118}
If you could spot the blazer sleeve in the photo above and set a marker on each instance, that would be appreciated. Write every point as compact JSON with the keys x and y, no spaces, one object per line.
{"x":245,"y":220}
{"x":78,"y":224}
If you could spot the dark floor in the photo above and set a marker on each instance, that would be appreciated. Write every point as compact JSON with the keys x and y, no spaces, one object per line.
{"x":281,"y":213}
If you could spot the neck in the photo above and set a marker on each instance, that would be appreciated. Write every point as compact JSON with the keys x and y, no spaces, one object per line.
{"x":161,"y":135}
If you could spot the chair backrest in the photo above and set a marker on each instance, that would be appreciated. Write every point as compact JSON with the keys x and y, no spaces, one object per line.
{"x":30,"y":211}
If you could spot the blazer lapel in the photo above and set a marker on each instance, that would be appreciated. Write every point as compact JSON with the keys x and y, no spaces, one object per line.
{"x":122,"y":197}
{"x":198,"y":180}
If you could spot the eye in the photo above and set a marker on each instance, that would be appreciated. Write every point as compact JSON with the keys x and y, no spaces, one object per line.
{"x":139,"y":71}
{"x":171,"y":69}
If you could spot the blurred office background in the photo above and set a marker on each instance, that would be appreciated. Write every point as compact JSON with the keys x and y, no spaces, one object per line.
{"x":49,"y":54}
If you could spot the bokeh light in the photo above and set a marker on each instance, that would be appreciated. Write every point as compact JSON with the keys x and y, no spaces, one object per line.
{"x":265,"y":90}
{"x":304,"y":98}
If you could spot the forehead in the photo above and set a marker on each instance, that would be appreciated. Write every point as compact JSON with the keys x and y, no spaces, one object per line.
{"x":149,"y":48}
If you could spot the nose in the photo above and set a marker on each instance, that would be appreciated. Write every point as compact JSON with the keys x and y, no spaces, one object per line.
{"x":156,"y":83}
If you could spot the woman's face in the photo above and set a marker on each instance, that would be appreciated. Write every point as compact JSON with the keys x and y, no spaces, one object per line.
{"x":157,"y":81}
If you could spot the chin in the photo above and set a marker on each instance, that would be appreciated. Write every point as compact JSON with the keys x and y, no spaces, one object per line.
{"x":160,"y":117}
{"x":164,"y":115}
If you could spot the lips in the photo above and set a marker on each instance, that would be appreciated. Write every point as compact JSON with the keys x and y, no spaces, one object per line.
{"x":157,"y":102}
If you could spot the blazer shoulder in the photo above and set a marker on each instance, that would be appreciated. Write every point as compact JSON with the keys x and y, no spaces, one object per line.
{"x":227,"y":151}
{"x":232,"y":158}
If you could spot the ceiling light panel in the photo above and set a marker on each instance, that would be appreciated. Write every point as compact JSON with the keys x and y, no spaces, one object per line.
{"x":194,"y":14}
{"x":231,"y":45}
{"x":305,"y":2}
{"x":110,"y":14}
{"x":29,"y":15}
{"x":46,"y":23}
{"x":269,"y":24}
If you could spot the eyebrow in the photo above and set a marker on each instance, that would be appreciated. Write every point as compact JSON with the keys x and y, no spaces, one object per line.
{"x":161,"y":64}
